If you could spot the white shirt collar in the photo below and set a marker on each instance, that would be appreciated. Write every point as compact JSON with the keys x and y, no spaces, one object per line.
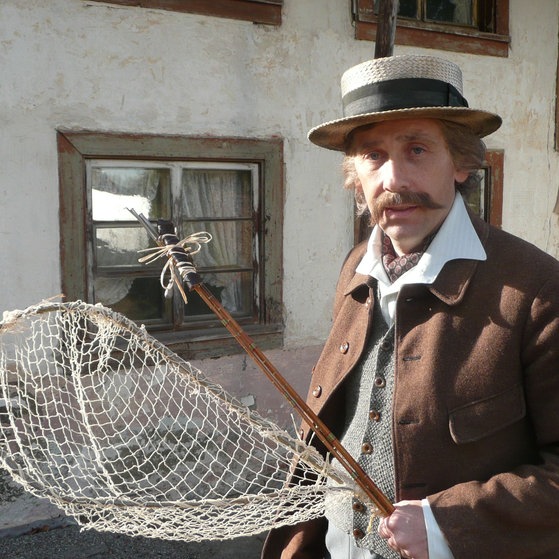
{"x":455,"y":239}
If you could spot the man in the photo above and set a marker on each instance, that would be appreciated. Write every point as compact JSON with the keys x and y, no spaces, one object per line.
{"x":441,"y":372}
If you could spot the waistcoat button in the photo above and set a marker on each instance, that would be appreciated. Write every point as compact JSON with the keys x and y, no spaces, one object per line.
{"x":344,"y":347}
{"x":358,"y":506}
{"x":374,"y":415}
{"x":380,"y":382}
{"x":358,"y":534}
{"x":317,"y":391}
{"x":367,"y":448}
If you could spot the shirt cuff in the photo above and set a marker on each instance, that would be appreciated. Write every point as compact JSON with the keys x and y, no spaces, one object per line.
{"x":436,"y":542}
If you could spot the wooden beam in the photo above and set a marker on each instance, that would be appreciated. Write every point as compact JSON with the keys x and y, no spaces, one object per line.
{"x":386,"y":28}
{"x":256,"y":11}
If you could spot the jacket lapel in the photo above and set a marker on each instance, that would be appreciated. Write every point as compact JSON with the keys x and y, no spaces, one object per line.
{"x":455,"y":277}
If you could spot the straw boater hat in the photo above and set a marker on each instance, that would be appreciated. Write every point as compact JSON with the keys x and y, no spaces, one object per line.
{"x":398,"y":87}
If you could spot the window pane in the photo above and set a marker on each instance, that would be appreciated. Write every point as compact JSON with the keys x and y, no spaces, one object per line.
{"x":475,"y":198}
{"x":115,"y":189}
{"x":215,"y":193}
{"x":447,"y":11}
{"x":451,"y":11}
{"x":233,"y":290}
{"x":406,"y":8}
{"x":120,"y":246}
{"x":136,"y":298}
{"x":231,"y":244}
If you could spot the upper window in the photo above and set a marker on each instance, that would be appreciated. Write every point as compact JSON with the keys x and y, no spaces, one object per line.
{"x":257,"y":11}
{"x":472,"y":26}
{"x":457,"y":12}
{"x":228,"y":188}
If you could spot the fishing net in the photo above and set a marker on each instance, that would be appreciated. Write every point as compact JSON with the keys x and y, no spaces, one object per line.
{"x":125,"y":436}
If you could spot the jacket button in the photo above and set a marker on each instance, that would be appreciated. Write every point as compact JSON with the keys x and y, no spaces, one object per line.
{"x":380,"y":382}
{"x":367,"y":448}
{"x":317,"y":391}
{"x":358,"y":534}
{"x":374,"y":415}
{"x":368,"y":302}
{"x":344,"y":348}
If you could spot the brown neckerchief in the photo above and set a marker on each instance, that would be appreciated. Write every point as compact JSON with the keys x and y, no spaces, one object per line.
{"x":396,"y":265}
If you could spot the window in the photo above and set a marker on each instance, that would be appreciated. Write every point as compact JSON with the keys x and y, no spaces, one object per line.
{"x":257,"y":11}
{"x":557,"y":119}
{"x":231,"y":188}
{"x":486,"y":201}
{"x":471,"y":26}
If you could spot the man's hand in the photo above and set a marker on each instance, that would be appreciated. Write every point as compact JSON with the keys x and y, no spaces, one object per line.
{"x":404,"y":530}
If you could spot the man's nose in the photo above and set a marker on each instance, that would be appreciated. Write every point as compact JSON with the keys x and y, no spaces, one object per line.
{"x":395,"y":177}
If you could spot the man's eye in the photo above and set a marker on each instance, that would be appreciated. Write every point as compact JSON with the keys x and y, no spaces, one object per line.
{"x":417,"y":150}
{"x":373,"y":156}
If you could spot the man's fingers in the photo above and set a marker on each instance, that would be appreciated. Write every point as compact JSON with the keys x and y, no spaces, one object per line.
{"x":382,"y":529}
{"x":404,"y":530}
{"x":386,"y":534}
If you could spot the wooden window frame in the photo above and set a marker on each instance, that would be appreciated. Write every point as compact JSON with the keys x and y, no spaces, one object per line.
{"x":256,"y":11}
{"x":76,"y":148}
{"x":493,"y":165}
{"x":438,"y":36}
{"x":556,"y":210}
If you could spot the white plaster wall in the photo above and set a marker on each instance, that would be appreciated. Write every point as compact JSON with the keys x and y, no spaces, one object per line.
{"x":79,"y":65}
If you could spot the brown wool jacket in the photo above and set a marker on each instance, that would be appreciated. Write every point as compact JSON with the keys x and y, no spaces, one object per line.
{"x":476,"y":403}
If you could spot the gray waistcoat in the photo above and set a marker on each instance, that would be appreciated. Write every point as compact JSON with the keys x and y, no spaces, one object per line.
{"x":367,"y":435}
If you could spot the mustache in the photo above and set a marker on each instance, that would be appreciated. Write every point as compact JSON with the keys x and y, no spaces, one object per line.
{"x":395,"y":199}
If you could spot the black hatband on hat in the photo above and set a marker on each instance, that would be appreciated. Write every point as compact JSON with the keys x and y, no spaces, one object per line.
{"x":403,"y":93}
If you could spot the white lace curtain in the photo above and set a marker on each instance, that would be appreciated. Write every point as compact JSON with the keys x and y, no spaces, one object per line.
{"x":218,"y":200}
{"x":220,"y":194}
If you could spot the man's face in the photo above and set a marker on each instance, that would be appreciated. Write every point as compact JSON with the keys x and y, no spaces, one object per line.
{"x":407,"y":177}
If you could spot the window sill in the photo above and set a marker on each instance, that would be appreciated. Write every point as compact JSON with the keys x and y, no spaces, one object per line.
{"x":254,"y":11}
{"x":441,"y":38}
{"x":201,"y":344}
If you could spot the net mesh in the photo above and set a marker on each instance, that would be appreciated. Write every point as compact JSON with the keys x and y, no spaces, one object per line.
{"x":125,"y":436}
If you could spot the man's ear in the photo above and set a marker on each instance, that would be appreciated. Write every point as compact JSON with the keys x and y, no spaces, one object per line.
{"x":460,"y":176}
{"x":359,"y":195}
{"x":357,"y":185}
